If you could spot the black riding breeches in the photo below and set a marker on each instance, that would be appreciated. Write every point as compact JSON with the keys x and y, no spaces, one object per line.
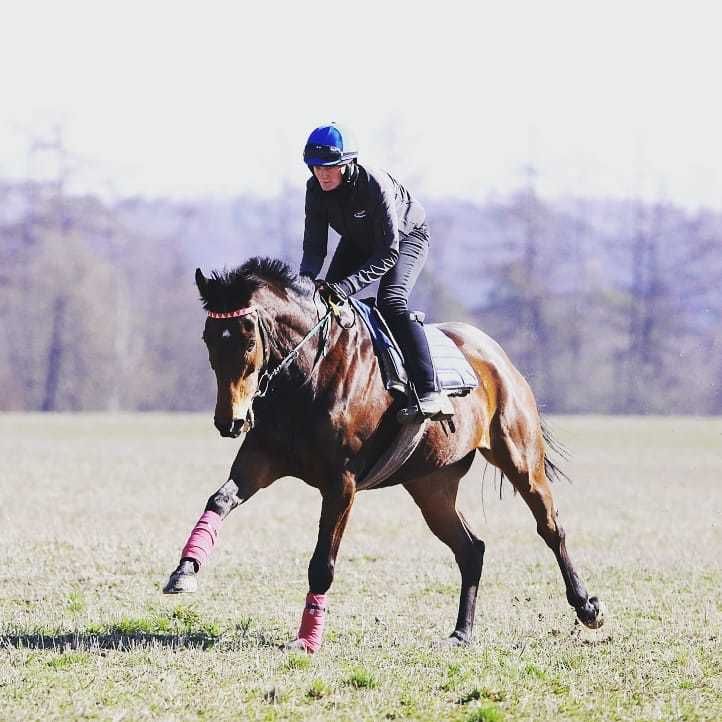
{"x":393,"y":299}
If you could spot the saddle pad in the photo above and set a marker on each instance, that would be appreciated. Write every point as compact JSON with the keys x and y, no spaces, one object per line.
{"x":453,"y":373}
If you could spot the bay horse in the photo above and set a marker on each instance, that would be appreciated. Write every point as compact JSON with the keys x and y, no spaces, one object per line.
{"x":308,"y":398}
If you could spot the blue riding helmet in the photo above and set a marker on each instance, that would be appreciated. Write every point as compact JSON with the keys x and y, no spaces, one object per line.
{"x":329,"y":145}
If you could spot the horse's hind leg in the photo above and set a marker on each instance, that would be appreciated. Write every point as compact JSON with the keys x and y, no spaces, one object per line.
{"x":525,"y":470}
{"x":436,"y":497}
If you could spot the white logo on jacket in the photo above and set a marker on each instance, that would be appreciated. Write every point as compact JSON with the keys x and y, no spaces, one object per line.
{"x":359,"y":214}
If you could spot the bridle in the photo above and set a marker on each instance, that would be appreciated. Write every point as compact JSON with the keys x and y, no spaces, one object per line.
{"x":233,"y":314}
{"x":268,"y":375}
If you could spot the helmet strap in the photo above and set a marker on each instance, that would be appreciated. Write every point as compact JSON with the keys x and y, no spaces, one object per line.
{"x":349,"y":175}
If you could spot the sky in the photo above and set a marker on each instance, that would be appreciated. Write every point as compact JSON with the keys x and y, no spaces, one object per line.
{"x":456,"y":99}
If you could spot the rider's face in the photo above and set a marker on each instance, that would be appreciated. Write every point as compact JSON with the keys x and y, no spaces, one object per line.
{"x":329,"y":176}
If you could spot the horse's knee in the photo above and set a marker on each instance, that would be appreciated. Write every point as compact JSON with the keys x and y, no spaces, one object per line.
{"x":320,"y":575}
{"x":223,"y":501}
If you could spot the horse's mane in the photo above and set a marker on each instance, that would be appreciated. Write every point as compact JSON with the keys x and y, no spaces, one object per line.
{"x":231,"y":288}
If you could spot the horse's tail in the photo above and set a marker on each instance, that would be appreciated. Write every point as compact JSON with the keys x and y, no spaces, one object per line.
{"x":553,"y":445}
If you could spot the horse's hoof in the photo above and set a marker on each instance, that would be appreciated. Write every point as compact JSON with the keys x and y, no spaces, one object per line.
{"x":296,"y":645}
{"x":455,"y":640}
{"x":593,"y":613}
{"x":181,"y":583}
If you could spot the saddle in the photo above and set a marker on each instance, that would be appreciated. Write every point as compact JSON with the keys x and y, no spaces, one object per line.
{"x":452,"y":372}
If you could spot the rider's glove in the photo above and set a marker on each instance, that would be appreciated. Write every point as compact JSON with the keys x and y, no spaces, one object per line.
{"x":330,"y":292}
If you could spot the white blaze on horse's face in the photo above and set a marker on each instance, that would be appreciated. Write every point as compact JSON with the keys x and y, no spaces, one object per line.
{"x":235,"y":352}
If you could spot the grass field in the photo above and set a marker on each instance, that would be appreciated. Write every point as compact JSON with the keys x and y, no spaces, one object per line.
{"x":94,"y":510}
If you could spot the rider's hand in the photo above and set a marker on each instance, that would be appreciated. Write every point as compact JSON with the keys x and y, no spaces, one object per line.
{"x":330,"y":292}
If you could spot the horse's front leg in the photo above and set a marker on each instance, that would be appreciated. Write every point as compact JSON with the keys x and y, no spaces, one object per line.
{"x":250,"y":472}
{"x":202,"y":539}
{"x":335,"y":511}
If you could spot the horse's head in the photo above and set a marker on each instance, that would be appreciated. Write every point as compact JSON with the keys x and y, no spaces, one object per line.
{"x":234,"y":340}
{"x":242,"y":306}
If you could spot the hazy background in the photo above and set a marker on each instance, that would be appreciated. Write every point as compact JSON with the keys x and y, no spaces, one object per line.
{"x":569,"y":155}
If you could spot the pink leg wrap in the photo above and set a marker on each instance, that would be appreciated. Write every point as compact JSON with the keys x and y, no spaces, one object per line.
{"x":203,"y":538}
{"x":313,"y":621}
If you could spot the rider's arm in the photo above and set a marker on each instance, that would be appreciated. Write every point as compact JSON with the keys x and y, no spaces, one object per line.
{"x":315,"y":235}
{"x":385,"y":229}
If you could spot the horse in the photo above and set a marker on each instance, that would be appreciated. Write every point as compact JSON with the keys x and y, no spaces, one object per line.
{"x":305,"y":394}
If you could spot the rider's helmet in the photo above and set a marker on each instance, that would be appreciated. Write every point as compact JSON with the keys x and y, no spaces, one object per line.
{"x":329,"y":145}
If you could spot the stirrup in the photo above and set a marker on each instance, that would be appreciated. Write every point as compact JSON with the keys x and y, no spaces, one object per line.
{"x":439,"y":408}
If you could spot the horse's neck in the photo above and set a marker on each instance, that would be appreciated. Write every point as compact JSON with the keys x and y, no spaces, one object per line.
{"x":339,"y":396}
{"x":292,"y":323}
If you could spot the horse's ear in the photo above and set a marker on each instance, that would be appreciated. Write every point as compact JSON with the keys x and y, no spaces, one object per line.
{"x":201,"y":282}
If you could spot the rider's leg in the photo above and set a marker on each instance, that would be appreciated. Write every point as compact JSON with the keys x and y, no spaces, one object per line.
{"x":394,"y":291}
{"x":415,"y":346}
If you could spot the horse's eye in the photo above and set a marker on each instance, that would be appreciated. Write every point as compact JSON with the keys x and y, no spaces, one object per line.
{"x":251,"y":343}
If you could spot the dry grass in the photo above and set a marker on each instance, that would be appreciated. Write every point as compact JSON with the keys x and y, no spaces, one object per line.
{"x":95,"y":508}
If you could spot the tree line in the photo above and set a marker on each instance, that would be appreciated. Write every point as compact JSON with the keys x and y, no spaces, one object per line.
{"x":606,"y":306}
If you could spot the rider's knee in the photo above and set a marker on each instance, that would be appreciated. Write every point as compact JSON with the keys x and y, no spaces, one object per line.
{"x":392,"y":306}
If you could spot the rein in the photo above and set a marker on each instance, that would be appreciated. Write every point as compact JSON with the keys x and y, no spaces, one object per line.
{"x":267,"y":376}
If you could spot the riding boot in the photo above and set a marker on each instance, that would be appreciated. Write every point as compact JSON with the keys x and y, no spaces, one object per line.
{"x":432,"y":404}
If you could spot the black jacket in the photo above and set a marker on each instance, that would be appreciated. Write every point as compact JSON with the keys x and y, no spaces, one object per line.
{"x":369,"y":210}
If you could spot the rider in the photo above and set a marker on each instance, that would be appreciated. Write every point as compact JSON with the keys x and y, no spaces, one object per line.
{"x":383,"y":236}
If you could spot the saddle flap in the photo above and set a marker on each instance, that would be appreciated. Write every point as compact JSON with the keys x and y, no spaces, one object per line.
{"x":387,"y":350}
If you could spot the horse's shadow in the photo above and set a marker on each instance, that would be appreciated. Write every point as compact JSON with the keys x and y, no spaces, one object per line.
{"x":121,"y":642}
{"x":109,"y":641}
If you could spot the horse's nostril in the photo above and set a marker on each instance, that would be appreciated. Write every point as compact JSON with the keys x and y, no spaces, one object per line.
{"x":230,"y":428}
{"x":223,"y":426}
